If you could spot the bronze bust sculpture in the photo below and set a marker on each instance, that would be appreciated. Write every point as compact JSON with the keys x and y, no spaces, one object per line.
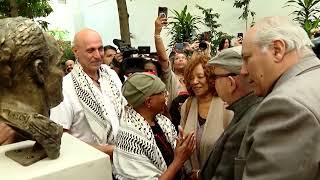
{"x":30,"y":83}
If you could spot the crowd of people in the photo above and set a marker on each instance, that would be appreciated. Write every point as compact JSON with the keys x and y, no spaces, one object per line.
{"x":250,"y":112}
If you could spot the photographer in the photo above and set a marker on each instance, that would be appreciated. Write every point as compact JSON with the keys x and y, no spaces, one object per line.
{"x":152,"y":67}
{"x":120,"y":62}
{"x":109,"y":53}
{"x":173,"y":78}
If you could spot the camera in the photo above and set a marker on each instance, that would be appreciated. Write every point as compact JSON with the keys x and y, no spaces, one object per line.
{"x":203,"y":39}
{"x":133,"y":58}
{"x":125,"y":48}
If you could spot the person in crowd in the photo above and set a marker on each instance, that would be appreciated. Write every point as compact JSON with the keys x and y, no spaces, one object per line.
{"x":69,"y":66}
{"x":203,"y":112}
{"x":147,"y":143}
{"x":109,"y":53}
{"x":237,"y":93}
{"x":224,"y":44}
{"x":152,"y":67}
{"x":283,"y":139}
{"x":175,"y":109}
{"x":172,"y":72}
{"x":93,"y":103}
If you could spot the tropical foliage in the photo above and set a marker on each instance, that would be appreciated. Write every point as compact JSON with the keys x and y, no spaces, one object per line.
{"x":245,"y":5}
{"x":26,"y":8}
{"x":306,"y":9}
{"x":210,"y":20}
{"x":183,"y":26}
{"x":306,"y":13}
{"x":247,"y":12}
{"x":65,"y":46}
{"x":310,"y":25}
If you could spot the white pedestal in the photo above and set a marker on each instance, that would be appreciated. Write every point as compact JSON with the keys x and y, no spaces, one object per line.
{"x":77,"y":161}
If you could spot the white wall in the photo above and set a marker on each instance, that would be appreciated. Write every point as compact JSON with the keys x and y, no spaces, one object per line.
{"x":102,"y":15}
{"x":61,"y":18}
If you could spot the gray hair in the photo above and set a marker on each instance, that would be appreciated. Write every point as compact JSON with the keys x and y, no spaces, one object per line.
{"x":277,"y":27}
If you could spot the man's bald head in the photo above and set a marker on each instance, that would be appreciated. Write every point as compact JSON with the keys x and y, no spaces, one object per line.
{"x":82,"y":34}
{"x":88,"y":50}
{"x":69,"y":66}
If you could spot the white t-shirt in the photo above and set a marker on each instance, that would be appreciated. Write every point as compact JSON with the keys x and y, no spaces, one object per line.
{"x":70,"y":114}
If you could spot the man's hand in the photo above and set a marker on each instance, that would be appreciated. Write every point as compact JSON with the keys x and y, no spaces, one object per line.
{"x":159,"y":24}
{"x":194,"y":175}
{"x":119,"y":57}
{"x":7,"y":134}
{"x":192,"y":47}
{"x":238,"y":41}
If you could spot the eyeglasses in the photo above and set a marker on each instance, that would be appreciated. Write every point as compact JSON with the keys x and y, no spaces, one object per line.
{"x":164,"y":93}
{"x":216,"y":76}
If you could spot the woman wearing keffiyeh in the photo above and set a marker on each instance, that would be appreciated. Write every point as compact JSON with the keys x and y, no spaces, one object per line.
{"x":147,"y":146}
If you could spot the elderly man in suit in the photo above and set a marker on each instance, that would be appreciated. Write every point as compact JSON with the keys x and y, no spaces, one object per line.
{"x":283,"y":139}
{"x":234,"y":90}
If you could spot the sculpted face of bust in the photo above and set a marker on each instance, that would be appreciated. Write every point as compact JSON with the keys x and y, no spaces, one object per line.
{"x":30,"y":82}
{"x":29,"y":76}
{"x":53,"y":79}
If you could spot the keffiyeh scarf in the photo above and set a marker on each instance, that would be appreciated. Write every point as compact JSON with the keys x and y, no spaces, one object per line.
{"x":91,"y":100}
{"x":137,"y":155}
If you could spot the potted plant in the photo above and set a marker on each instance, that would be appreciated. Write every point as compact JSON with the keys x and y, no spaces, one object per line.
{"x":211,"y":21}
{"x":64,"y":45}
{"x":307,"y":13}
{"x":183,"y":26}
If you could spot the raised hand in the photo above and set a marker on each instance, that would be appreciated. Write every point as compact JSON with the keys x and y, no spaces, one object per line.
{"x":159,"y":24}
{"x":185,"y":147}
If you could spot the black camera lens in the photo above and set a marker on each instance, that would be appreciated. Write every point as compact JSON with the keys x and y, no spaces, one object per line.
{"x":203,"y":45}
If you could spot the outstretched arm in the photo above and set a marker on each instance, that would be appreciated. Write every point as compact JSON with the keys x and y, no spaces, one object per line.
{"x":161,"y":50}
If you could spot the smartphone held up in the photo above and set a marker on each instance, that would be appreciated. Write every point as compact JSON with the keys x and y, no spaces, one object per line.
{"x":240,"y":38}
{"x":163,"y":12}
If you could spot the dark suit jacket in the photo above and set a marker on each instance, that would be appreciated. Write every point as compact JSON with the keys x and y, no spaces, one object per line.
{"x":283,"y":139}
{"x":220,"y":164}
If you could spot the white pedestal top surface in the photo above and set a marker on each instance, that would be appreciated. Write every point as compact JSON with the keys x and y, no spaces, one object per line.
{"x":77,"y":161}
